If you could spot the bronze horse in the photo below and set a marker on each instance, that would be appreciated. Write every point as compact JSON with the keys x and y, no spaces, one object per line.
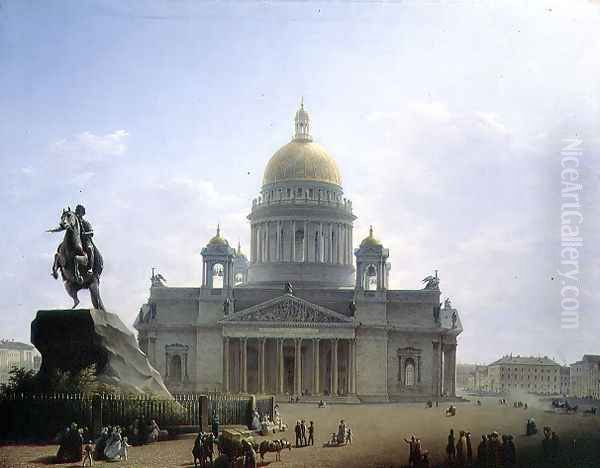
{"x":72,"y":261}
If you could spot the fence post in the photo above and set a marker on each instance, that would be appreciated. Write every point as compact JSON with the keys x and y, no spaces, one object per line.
{"x":203,"y":408}
{"x":96,"y":415}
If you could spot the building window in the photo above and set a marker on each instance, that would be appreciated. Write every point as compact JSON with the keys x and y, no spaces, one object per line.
{"x":217,"y":276}
{"x":370,"y":278}
{"x":175,"y":368}
{"x":409,"y":373}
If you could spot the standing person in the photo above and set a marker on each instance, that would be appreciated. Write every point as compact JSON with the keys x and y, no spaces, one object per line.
{"x":482,"y":453}
{"x":450,"y":448}
{"x":303,"y":433}
{"x":461,"y":450}
{"x":411,"y":451}
{"x":418,"y":453}
{"x":124,"y":446}
{"x":88,"y":450}
{"x":250,"y":460}
{"x":311,"y":433}
{"x":215,"y":424}
{"x":469,"y":449}
{"x":349,"y":435}
{"x":297,"y":430}
{"x":341,"y":432}
{"x":512,"y":453}
{"x":555,"y":445}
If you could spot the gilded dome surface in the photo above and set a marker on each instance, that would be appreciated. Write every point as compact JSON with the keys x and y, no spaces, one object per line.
{"x":370,"y":240}
{"x":218,"y":240}
{"x":302,"y":160}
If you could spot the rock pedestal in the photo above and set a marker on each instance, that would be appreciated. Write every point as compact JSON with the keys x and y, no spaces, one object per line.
{"x":71,"y":340}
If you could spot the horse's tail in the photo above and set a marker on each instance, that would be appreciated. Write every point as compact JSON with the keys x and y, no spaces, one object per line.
{"x":98,"y":263}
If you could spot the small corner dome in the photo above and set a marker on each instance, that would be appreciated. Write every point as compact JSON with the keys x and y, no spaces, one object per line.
{"x":370,"y":241}
{"x":238,"y":252}
{"x":217,"y":239}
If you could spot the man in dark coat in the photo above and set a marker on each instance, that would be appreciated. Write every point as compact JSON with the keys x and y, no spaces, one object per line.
{"x":298,"y":432}
{"x":450,"y":448}
{"x":482,"y":453}
{"x":311,"y":433}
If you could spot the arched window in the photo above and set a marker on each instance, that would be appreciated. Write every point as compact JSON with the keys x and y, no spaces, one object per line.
{"x":409,"y":373}
{"x":238,"y":278}
{"x":370,"y":279}
{"x":175,"y":369}
{"x":217,"y":272}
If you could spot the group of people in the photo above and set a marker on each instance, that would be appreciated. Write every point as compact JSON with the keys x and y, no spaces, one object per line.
{"x":417,"y":457}
{"x":141,"y":432}
{"x":111,"y":445}
{"x":550,"y":444}
{"x":71,"y":444}
{"x":496,"y":451}
{"x":342,"y":436}
{"x":460,"y":452}
{"x":302,"y":431}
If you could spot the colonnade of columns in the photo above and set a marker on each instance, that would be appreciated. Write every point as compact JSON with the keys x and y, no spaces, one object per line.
{"x":289,"y":365}
{"x":319,"y":242}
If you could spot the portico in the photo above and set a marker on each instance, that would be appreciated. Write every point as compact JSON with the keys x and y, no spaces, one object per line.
{"x":272,"y":348}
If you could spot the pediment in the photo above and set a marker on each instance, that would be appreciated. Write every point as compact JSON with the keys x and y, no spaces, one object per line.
{"x":288,"y":309}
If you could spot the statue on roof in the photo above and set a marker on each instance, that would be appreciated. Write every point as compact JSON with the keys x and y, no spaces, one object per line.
{"x":289,"y":289}
{"x":432,"y":282}
{"x":447,"y":303}
{"x":157,"y":279}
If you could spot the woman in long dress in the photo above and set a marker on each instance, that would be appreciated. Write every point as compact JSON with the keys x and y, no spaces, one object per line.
{"x":342,"y":432}
{"x":114,"y":445}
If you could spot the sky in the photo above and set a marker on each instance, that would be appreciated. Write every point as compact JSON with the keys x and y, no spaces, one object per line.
{"x":447,"y":120}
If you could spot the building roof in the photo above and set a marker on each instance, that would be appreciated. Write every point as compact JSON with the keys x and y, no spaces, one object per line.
{"x":16,"y":345}
{"x":527,"y":360}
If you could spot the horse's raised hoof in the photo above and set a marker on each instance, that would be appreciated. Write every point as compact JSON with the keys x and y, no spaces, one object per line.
{"x":75,"y":304}
{"x":54,"y":275}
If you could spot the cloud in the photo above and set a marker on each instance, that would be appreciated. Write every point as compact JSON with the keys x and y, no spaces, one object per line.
{"x":89,"y":147}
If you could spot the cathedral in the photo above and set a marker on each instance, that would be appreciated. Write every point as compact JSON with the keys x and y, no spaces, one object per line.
{"x":306,"y":314}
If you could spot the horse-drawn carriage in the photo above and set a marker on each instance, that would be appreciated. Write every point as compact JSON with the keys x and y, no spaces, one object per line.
{"x":564,"y":405}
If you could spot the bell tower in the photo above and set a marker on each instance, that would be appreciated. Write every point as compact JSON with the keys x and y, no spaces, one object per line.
{"x":217,"y":263}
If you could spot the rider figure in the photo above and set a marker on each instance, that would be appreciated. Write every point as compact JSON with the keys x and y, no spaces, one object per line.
{"x":86,"y":237}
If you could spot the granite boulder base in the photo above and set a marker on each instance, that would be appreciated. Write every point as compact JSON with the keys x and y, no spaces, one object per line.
{"x":71,"y":340}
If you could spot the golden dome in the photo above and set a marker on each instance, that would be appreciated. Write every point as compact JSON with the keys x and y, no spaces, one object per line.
{"x":218,"y":240}
{"x":370,"y":241}
{"x":302,"y":160}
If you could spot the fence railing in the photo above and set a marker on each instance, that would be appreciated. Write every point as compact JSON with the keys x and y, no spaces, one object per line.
{"x":42,"y":416}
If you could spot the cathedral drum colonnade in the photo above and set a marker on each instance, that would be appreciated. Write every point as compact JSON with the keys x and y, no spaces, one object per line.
{"x":305,"y":314}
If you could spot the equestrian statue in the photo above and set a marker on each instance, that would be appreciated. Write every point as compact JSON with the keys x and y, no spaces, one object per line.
{"x":77,"y":258}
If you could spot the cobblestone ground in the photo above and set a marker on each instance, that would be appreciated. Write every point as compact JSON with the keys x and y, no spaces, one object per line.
{"x":378,"y":431}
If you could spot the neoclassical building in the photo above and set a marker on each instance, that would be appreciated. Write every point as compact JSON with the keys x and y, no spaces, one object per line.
{"x":307,"y":313}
